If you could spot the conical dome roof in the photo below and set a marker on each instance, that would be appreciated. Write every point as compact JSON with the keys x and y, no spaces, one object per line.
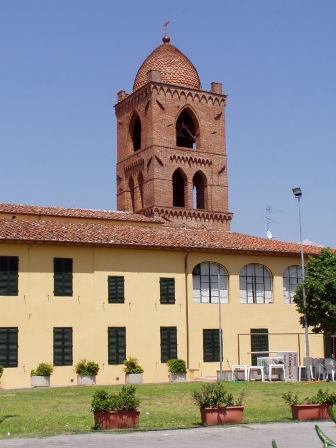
{"x":174,"y":67}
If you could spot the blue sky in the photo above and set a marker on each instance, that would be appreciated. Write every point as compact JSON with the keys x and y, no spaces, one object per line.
{"x":63,"y":61}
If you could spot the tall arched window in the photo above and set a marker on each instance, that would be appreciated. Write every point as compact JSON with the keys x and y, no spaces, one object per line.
{"x":132,"y":192}
{"x":186,"y":129}
{"x":255,"y":282}
{"x":210,"y":281}
{"x":291,"y":279}
{"x":199,"y":190}
{"x":140,"y":183}
{"x":135,"y":131}
{"x":179,"y":182}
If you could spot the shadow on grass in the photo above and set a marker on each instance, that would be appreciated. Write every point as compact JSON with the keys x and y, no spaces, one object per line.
{"x":4,"y":417}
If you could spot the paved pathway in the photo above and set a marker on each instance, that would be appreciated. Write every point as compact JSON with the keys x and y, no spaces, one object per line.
{"x":287,"y":435}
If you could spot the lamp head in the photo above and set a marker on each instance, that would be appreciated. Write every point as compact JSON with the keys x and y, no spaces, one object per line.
{"x":297,"y":192}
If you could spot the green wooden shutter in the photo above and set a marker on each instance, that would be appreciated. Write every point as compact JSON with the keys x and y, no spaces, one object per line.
{"x":116,"y":345}
{"x":168,"y":338}
{"x":167,"y":290}
{"x":259,"y":342}
{"x":63,"y":346}
{"x":9,"y":347}
{"x":116,"y":289}
{"x":211,"y":347}
{"x":9,"y":274}
{"x":63,"y":277}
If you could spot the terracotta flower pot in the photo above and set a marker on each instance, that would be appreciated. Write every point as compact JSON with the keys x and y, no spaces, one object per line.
{"x":221,"y":416}
{"x":116,"y":419}
{"x":305,"y":412}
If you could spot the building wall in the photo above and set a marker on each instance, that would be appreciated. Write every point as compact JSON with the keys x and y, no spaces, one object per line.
{"x":36,"y":311}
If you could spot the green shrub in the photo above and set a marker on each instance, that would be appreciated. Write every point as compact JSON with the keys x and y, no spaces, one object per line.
{"x":125,"y":400}
{"x":1,"y":371}
{"x":321,"y":397}
{"x":43,"y":369}
{"x":132,"y":366}
{"x":86,"y":368}
{"x":214,"y":396}
{"x":176,"y":366}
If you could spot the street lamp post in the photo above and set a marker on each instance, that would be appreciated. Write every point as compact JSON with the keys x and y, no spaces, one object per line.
{"x":298,"y":194}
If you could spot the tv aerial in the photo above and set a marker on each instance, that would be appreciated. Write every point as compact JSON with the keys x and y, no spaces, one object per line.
{"x":269,"y":220}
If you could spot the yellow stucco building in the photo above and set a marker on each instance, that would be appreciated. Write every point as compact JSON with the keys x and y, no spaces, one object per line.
{"x":151,"y":279}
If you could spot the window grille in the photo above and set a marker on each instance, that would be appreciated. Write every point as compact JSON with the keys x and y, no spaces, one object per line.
{"x":210,"y":281}
{"x":291,"y":279}
{"x":255,"y":284}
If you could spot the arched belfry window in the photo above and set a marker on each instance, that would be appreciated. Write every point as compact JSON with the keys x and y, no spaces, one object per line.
{"x":135,"y":131}
{"x":186,"y":129}
{"x":199,"y":190}
{"x":255,"y":282}
{"x":210,"y":282}
{"x":179,"y":183}
{"x":132,"y":192}
{"x":140,"y":183}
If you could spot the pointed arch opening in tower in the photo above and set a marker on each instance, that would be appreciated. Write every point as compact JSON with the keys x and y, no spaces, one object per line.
{"x":179,"y":185}
{"x":186,"y":130}
{"x":199,"y":190}
{"x":135,"y":131}
{"x":141,"y":183}
{"x":132,"y":192}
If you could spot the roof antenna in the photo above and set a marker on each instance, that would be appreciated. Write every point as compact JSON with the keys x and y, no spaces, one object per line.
{"x":268,"y":222}
{"x":166,"y":38}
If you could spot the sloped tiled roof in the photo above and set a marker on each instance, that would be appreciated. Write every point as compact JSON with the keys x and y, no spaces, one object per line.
{"x":102,"y":234}
{"x":14,"y":209}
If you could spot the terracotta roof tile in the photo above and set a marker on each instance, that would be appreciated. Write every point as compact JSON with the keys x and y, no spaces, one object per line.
{"x":100,"y":234}
{"x":19,"y":209}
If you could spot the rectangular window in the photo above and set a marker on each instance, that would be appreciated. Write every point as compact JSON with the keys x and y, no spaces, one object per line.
{"x":116,"y":345}
{"x":63,"y":346}
{"x":9,"y":347}
{"x":167,"y":290}
{"x":9,"y":275}
{"x":211,"y":345}
{"x":115,"y":289}
{"x":168,"y":338}
{"x":63,"y":277}
{"x":259,"y":343}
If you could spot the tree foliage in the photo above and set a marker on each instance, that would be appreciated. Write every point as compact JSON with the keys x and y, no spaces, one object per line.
{"x":320,"y":289}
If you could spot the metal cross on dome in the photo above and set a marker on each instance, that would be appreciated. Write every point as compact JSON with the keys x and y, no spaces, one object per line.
{"x":165,"y":26}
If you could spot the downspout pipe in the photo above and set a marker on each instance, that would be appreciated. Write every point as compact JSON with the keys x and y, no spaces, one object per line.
{"x":186,"y":256}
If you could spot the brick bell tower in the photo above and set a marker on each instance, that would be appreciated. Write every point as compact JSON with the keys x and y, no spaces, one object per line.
{"x":171,"y":147}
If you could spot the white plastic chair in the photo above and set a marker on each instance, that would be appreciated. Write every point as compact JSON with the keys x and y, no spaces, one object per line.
{"x":277,"y":367}
{"x":319,"y":368}
{"x":303,"y":368}
{"x":240,"y":368}
{"x":257,"y":369}
{"x":330,"y":368}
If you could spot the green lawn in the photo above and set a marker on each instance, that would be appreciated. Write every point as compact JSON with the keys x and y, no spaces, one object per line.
{"x":52,"y":411}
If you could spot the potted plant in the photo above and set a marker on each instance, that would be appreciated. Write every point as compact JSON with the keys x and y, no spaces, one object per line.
{"x":1,"y":372}
{"x":316,"y":407}
{"x":217,"y":406}
{"x":40,"y":377}
{"x":133,"y":371}
{"x":86,"y":372}
{"x":177,"y":370}
{"x":116,"y":410}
